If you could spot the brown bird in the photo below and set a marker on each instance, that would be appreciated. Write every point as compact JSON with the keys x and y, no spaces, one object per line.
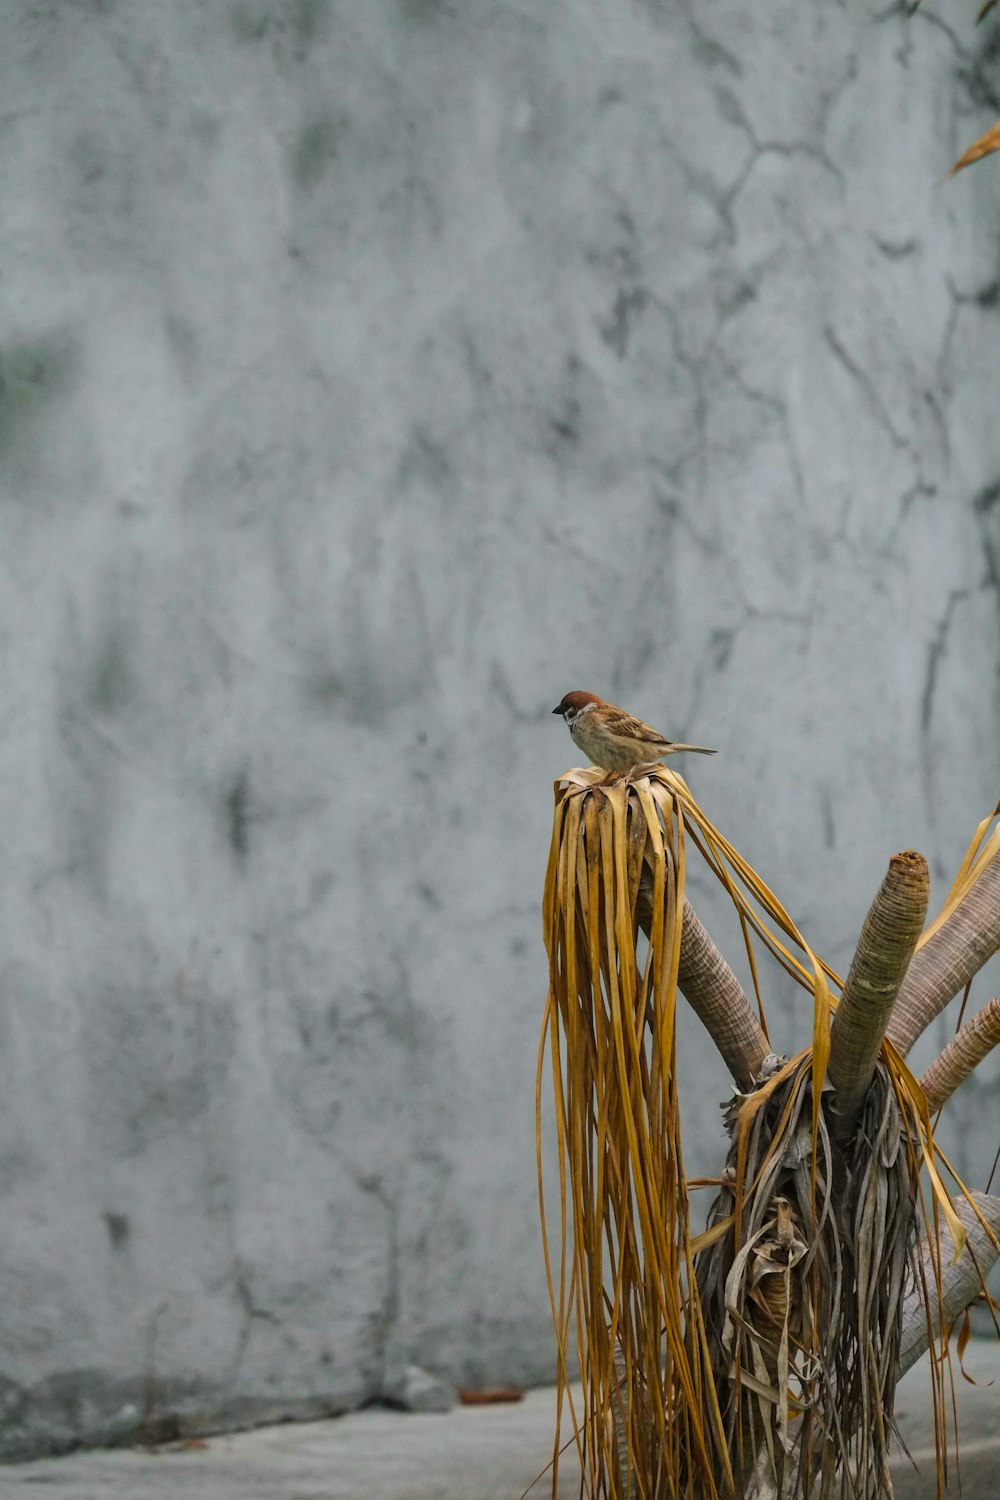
{"x":613,"y":739}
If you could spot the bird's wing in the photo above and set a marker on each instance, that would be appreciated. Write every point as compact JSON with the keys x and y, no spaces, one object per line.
{"x":627,"y":725}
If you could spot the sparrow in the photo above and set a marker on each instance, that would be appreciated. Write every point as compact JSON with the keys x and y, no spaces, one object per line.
{"x":612,"y":738}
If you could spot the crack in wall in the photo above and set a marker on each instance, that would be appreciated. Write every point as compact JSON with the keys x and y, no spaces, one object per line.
{"x":872,"y":399}
{"x":936,"y":652}
{"x":253,"y":1312}
{"x":385,"y":1321}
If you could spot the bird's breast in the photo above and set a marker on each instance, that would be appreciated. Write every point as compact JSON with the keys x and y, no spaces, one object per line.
{"x":613,"y":752}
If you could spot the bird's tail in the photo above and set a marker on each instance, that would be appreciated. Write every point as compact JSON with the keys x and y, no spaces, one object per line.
{"x":699,"y":749}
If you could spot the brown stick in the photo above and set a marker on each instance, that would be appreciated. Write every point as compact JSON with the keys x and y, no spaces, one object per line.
{"x":894,"y":923}
{"x":948,"y":960}
{"x":714,"y":993}
{"x":962,"y":1055}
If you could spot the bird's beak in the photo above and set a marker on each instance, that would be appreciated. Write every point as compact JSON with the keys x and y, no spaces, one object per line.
{"x":558,"y":709}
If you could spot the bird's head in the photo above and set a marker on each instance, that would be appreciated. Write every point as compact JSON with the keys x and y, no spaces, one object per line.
{"x":574,"y":704}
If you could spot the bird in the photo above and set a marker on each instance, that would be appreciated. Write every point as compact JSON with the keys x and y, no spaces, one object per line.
{"x":613,"y":739}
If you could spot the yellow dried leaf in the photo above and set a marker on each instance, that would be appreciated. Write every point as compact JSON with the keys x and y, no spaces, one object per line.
{"x":985,"y":146}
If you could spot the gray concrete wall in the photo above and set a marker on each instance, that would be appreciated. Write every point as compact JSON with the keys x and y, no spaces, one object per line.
{"x":374,"y":371}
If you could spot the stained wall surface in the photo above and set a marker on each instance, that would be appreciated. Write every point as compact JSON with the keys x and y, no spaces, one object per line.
{"x":370,"y":375}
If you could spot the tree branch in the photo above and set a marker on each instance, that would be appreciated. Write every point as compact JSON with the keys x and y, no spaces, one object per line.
{"x":962,"y":1055}
{"x":894,"y":923}
{"x":960,"y":1282}
{"x":948,"y":960}
{"x":714,"y":993}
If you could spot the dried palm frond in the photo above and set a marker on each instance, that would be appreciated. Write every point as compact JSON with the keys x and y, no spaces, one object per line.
{"x":828,"y":1233}
{"x":929,"y":1308}
{"x":627,"y":1289}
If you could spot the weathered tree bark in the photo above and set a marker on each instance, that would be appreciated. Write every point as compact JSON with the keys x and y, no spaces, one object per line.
{"x":888,"y":938}
{"x":960,"y":1282}
{"x":962,"y":1056}
{"x":714,"y":993}
{"x":948,"y":960}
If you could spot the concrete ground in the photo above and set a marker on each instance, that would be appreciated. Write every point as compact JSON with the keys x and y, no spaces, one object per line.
{"x":470,"y":1453}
